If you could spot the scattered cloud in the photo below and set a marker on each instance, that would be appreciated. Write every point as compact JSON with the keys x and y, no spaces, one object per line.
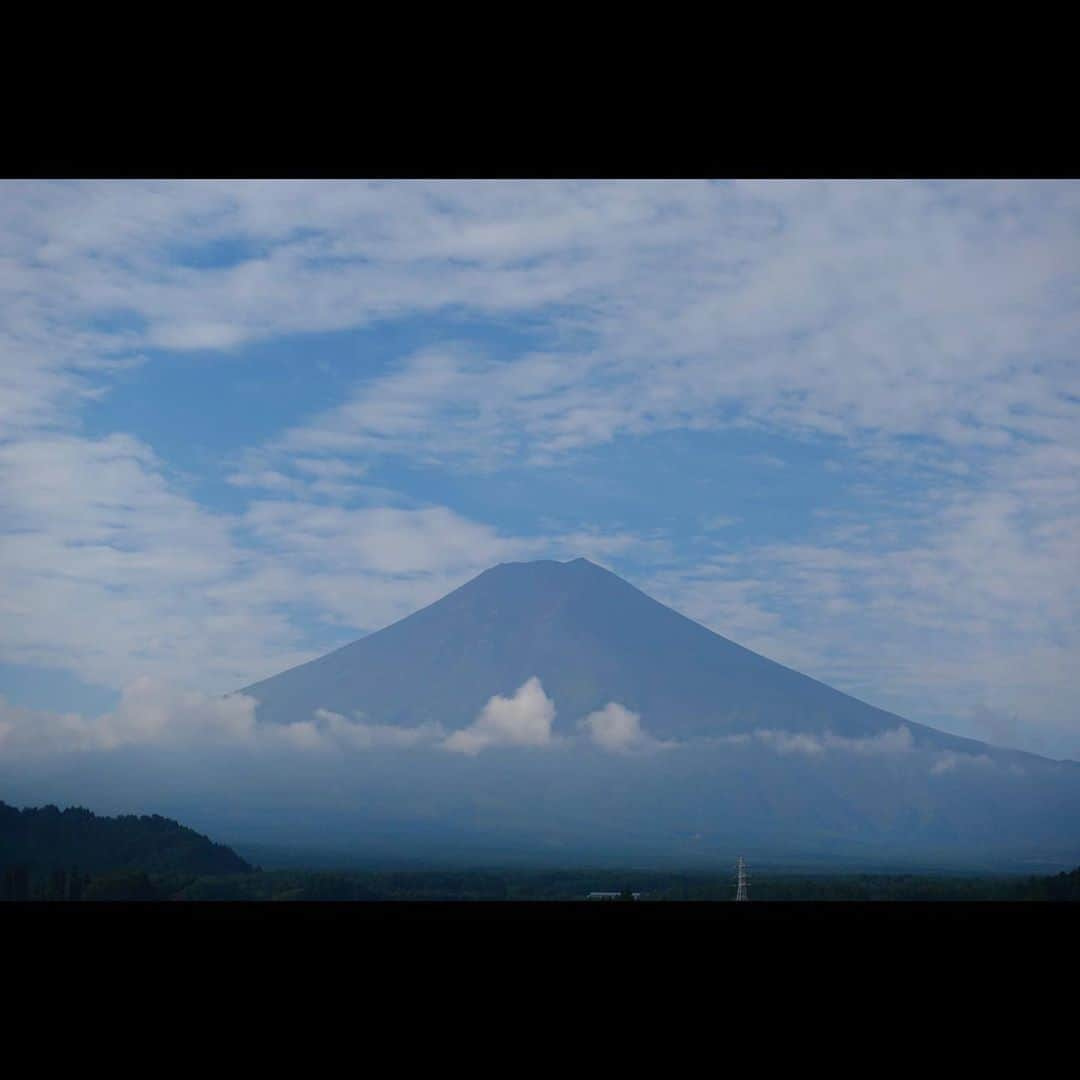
{"x":154,"y":715}
{"x":929,"y":605}
{"x":786,"y":742}
{"x":896,"y":741}
{"x":902,"y":308}
{"x":948,"y":762}
{"x":719,"y":521}
{"x":98,"y":533}
{"x":927,"y":332}
{"x":111,"y":572}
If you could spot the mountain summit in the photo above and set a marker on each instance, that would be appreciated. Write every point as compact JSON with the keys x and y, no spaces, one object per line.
{"x":734,"y":753}
{"x":591,"y":638}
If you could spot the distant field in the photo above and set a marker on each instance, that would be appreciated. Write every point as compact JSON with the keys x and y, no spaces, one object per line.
{"x":573,"y":885}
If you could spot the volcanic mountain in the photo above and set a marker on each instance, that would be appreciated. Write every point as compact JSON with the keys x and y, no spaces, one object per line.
{"x":591,"y":638}
{"x":740,"y":754}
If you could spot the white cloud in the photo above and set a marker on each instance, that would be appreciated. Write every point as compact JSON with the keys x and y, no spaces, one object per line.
{"x":903,"y":308}
{"x":843,"y":309}
{"x":384,"y":540}
{"x":617,"y":729}
{"x":113,"y":572}
{"x":156,"y":714}
{"x":524,"y":719}
{"x":786,"y":742}
{"x":929,"y":606}
{"x":328,"y":478}
{"x":150,"y":713}
{"x":110,"y":572}
{"x":861,"y":313}
{"x":895,"y":741}
{"x":359,"y":735}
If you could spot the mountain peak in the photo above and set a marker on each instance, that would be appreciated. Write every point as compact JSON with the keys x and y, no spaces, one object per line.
{"x":539,"y":563}
{"x":549,"y":571}
{"x":590,"y":637}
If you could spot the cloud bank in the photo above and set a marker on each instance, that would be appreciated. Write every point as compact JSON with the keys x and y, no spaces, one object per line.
{"x":157,"y":715}
{"x":897,"y":741}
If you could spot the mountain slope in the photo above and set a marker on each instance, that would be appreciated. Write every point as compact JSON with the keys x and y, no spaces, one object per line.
{"x":591,"y":638}
{"x":46,"y":837}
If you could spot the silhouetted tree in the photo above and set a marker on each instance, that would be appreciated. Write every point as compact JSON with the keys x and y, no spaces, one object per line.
{"x":16,"y":882}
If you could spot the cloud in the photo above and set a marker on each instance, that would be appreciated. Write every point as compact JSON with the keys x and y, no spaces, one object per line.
{"x":306,"y":478}
{"x":155,"y":714}
{"x":896,"y":741}
{"x":98,"y":532}
{"x":358,"y":735}
{"x":524,"y":719}
{"x":150,"y":713}
{"x":384,"y":540}
{"x":786,"y":742}
{"x":111,"y":572}
{"x":615,"y":728}
{"x":719,"y":521}
{"x":926,"y":309}
{"x":948,"y":762}
{"x":964,"y":590}
{"x":923,"y":331}
{"x":879,"y":284}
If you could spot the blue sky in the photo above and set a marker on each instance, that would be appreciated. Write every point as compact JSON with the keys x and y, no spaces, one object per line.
{"x":244,"y":423}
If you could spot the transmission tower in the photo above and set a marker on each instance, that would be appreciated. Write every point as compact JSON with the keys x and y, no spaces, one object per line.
{"x":741,"y":890}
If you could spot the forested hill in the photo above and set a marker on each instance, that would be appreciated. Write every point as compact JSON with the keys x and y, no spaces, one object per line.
{"x":47,"y":838}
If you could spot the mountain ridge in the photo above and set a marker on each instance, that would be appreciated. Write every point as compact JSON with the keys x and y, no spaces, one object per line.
{"x":46,"y":837}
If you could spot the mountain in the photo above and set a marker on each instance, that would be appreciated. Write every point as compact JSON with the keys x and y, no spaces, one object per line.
{"x":746,"y":754}
{"x":591,"y":638}
{"x":47,"y":838}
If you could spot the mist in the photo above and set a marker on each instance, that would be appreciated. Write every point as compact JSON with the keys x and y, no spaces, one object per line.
{"x":474,"y":796}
